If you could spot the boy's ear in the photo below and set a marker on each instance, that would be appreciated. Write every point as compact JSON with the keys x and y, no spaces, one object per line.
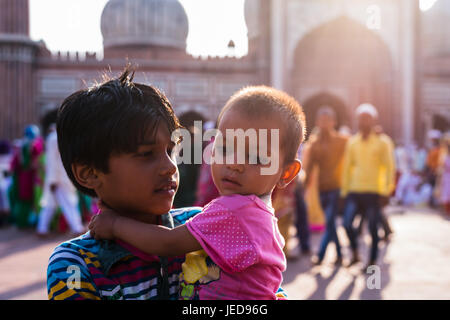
{"x":290,"y":171}
{"x":86,"y":176}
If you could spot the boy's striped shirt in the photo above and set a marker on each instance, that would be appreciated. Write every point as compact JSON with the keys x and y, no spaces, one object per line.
{"x":84,"y":268}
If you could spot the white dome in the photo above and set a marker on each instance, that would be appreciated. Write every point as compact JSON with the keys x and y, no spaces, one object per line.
{"x":144,"y":22}
{"x":251,"y":13}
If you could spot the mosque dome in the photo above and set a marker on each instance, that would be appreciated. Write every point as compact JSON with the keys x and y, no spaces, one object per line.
{"x":161,"y":23}
{"x":251,"y":13}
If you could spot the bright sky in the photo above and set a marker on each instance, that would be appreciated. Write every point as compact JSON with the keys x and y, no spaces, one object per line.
{"x":426,"y":4}
{"x":74,"y":25}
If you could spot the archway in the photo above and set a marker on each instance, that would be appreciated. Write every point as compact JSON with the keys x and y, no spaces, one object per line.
{"x":441,"y":123}
{"x":345,"y":57}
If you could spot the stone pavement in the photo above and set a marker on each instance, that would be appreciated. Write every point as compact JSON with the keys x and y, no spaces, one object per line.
{"x":413,"y":265}
{"x":23,"y":263}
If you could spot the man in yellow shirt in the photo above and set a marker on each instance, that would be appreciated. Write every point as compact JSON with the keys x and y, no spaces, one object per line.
{"x":367,"y":179}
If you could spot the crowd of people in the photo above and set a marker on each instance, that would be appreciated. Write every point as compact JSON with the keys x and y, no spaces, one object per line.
{"x":35,"y":192}
{"x":423,"y":174}
{"x":353,"y":176}
{"x":210,"y":230}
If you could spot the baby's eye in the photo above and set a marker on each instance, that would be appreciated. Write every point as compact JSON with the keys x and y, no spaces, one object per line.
{"x":254,"y":159}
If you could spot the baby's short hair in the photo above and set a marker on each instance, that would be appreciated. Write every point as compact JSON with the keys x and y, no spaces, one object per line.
{"x":263,"y":100}
{"x":110,"y":118}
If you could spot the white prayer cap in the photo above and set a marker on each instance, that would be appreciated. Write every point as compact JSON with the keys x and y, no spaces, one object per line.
{"x":434,"y":134}
{"x":368,"y":109}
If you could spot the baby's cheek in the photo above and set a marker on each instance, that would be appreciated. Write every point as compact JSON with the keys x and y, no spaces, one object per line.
{"x":216,"y":170}
{"x":262,"y":183}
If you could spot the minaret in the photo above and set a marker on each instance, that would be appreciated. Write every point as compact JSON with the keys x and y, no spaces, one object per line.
{"x":17,"y":54}
{"x":257,"y":17}
{"x":14,"y":17}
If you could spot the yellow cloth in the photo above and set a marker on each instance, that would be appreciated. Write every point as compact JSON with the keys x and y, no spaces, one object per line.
{"x":369,"y":165}
{"x":383,"y":176}
{"x":284,"y":224}
{"x":194,"y":267}
{"x":316,"y":216}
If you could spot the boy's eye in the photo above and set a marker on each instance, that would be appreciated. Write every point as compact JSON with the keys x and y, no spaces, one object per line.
{"x":146,"y":154}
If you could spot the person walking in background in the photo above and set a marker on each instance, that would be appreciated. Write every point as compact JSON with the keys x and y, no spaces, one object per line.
{"x":405,"y":170}
{"x":327,"y":153}
{"x":27,"y":178}
{"x":5,"y":161}
{"x":383,"y":218}
{"x":290,"y":208}
{"x":433,"y":161}
{"x":316,"y":216}
{"x":301,"y":219}
{"x":58,"y":191}
{"x":444,"y":176}
{"x":368,"y":162}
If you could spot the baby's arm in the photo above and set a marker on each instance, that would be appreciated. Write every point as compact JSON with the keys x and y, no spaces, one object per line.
{"x":149,"y":238}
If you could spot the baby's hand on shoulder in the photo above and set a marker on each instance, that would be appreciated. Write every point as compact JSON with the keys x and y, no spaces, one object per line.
{"x":102,"y":225}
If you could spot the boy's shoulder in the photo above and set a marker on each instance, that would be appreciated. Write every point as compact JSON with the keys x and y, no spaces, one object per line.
{"x":86,"y":243}
{"x":84,"y":249}
{"x":181,"y":215}
{"x":74,"y":257}
{"x":75,"y":251}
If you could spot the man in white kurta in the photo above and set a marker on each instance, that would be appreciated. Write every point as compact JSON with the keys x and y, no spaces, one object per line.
{"x":58,"y":191}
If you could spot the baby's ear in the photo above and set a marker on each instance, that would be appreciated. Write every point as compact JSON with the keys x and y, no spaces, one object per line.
{"x":86,"y":176}
{"x":290,"y":171}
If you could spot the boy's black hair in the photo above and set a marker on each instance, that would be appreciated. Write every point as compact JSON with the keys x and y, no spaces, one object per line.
{"x":108,"y":119}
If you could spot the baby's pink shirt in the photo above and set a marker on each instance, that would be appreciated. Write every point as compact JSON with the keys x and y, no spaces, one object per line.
{"x":240,"y":234}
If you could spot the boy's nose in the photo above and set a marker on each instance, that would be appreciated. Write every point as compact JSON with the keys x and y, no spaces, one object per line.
{"x":168,"y":167}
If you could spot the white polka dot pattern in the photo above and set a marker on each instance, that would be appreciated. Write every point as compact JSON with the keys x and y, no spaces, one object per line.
{"x":222,"y":232}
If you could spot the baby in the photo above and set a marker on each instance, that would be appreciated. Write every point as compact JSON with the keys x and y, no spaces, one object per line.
{"x":233,"y":247}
